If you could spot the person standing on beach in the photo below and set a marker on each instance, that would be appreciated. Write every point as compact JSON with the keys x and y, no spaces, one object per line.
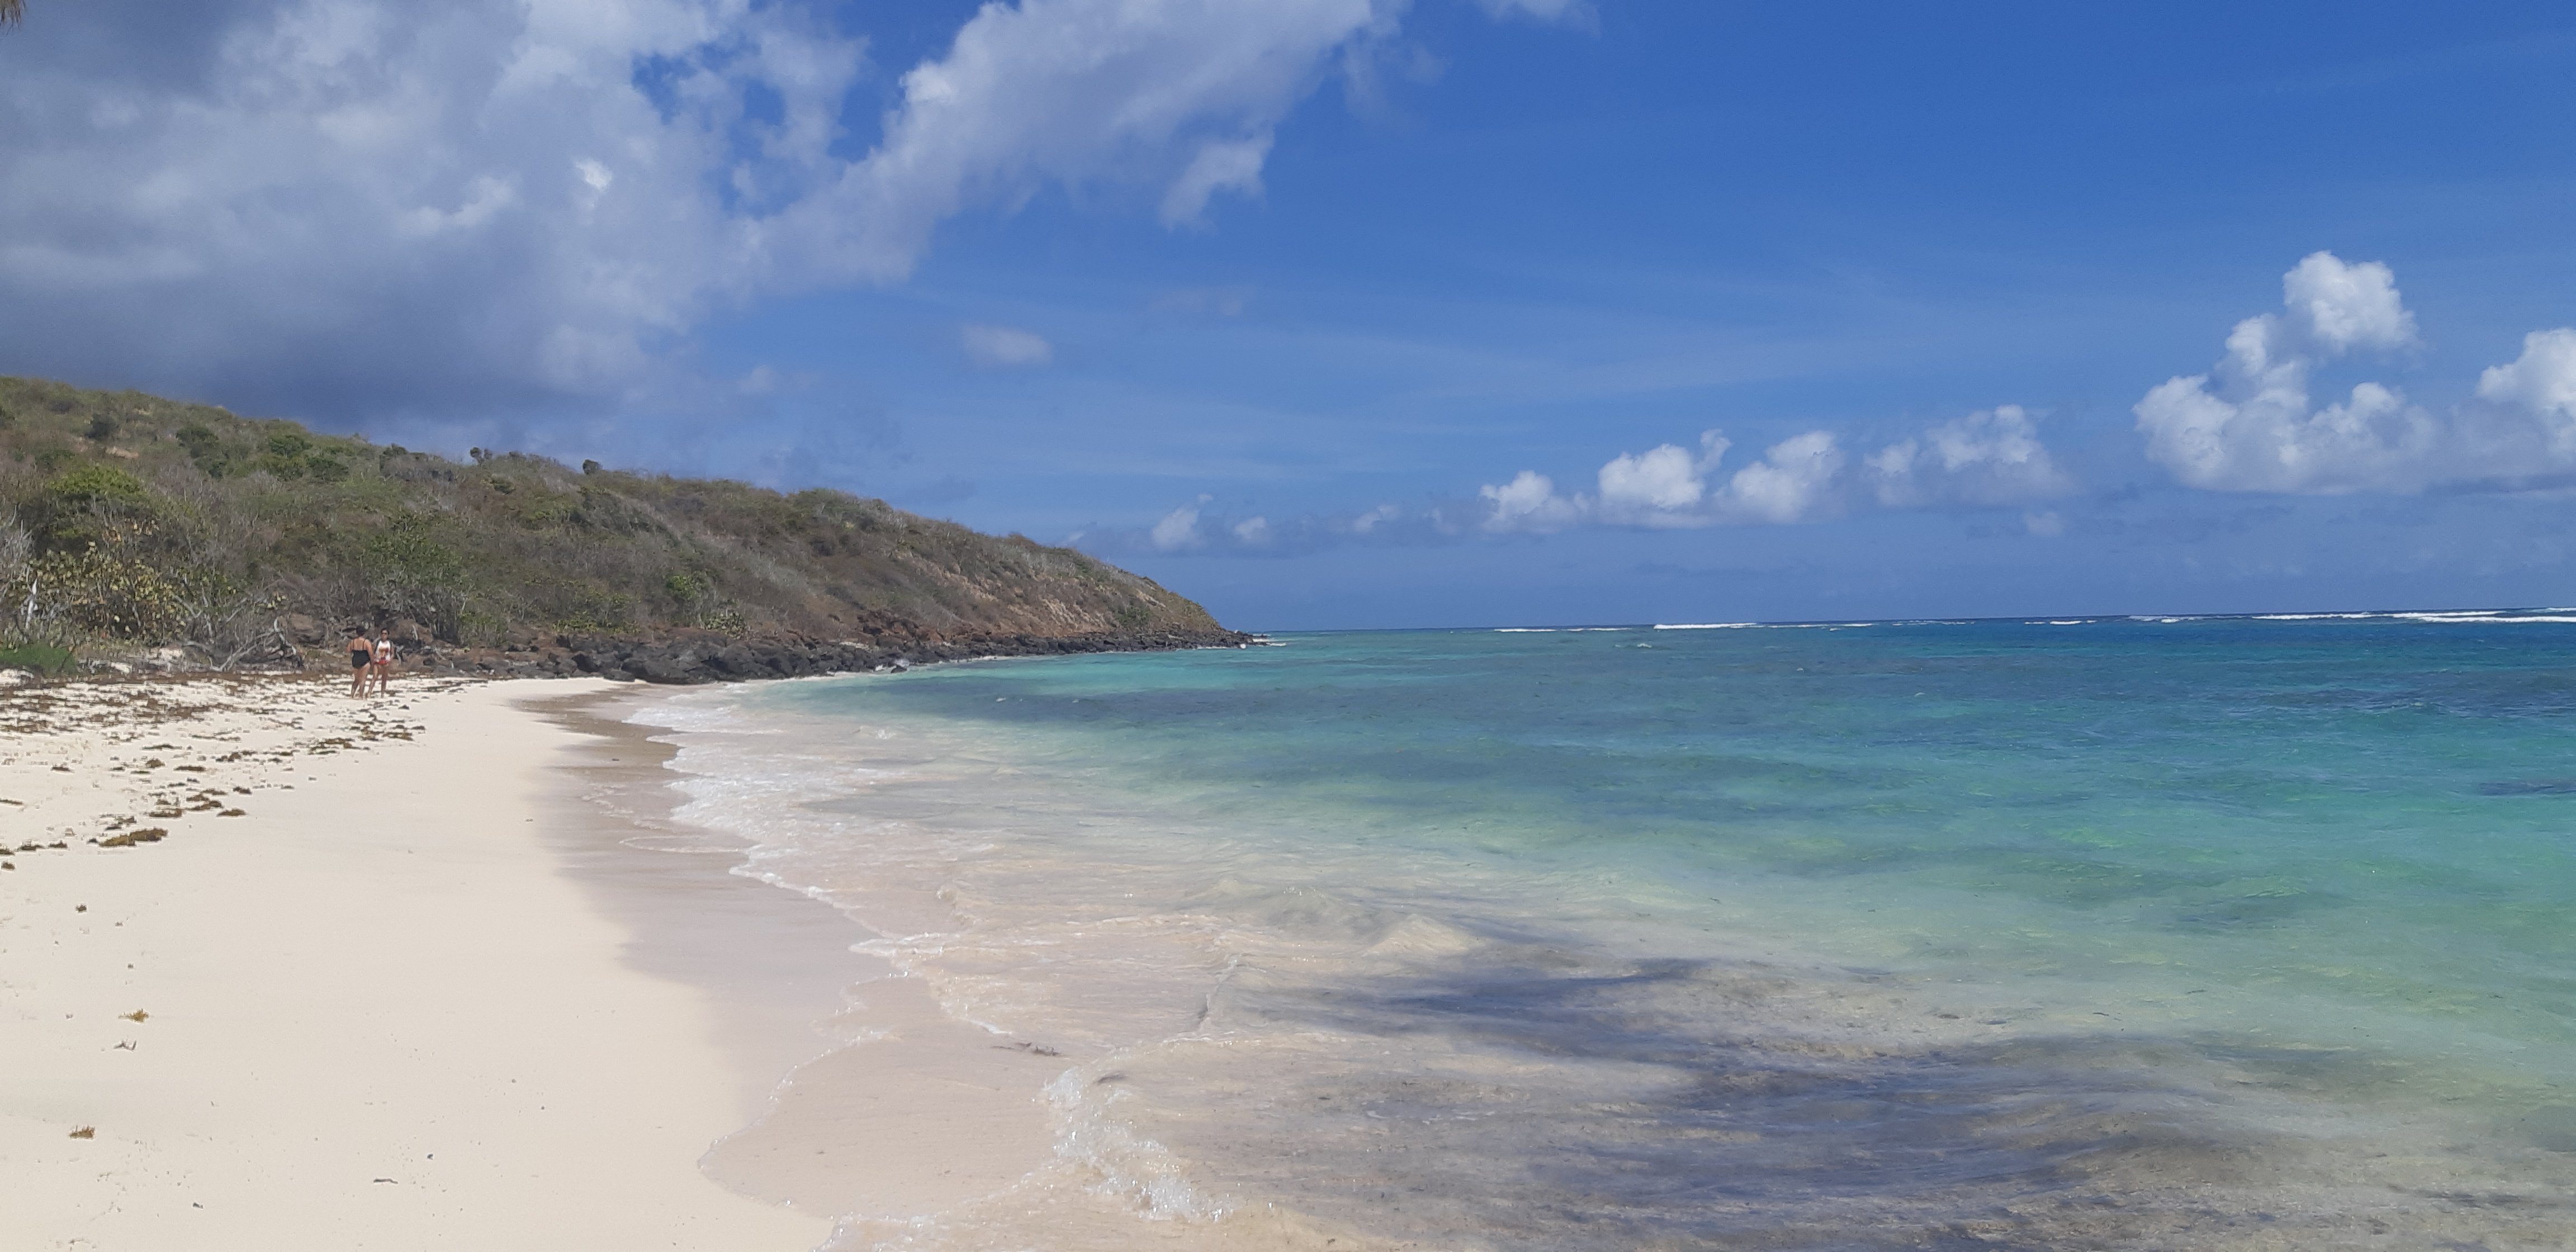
{"x":362,"y":657}
{"x":384,"y":660}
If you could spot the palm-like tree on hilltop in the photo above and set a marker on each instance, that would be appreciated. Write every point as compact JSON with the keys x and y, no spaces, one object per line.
{"x":11,"y":11}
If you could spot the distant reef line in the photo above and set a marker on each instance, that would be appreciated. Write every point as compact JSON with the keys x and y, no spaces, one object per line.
{"x":142,"y":533}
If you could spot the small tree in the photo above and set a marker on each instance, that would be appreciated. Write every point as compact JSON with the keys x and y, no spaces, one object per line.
{"x":413,"y":574}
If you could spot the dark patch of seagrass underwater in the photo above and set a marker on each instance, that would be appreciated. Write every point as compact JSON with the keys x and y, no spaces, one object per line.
{"x":1555,"y":1103}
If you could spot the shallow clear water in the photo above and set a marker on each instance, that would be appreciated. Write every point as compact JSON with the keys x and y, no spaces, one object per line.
{"x":2106,"y":934}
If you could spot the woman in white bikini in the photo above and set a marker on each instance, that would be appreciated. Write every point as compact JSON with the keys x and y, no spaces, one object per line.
{"x":384,"y":660}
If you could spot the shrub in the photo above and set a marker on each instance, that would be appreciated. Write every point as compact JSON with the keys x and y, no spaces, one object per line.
{"x":583,"y":608}
{"x":205,"y":448}
{"x":80,"y":506}
{"x":288,"y":455}
{"x":413,"y":573}
{"x":102,"y":591}
{"x":97,"y":484}
{"x":43,"y":658}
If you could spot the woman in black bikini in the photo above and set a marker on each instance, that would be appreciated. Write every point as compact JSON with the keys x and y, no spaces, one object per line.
{"x":362,"y":657}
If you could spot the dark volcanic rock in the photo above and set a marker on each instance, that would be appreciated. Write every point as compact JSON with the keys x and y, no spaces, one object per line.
{"x":686,"y":657}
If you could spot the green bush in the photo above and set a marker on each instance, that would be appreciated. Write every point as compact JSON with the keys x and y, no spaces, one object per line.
{"x":414,"y":574}
{"x":102,"y":591}
{"x":79,"y":508}
{"x":42,"y":658}
{"x":97,"y":484}
{"x":206,"y":449}
{"x":584,"y":608}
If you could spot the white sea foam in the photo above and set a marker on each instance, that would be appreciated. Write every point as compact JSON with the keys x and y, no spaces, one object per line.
{"x":2470,"y":617}
{"x":2466,"y":619}
{"x":1760,"y":625}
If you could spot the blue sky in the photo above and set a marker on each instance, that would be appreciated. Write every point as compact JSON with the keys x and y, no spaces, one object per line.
{"x":1335,"y":313}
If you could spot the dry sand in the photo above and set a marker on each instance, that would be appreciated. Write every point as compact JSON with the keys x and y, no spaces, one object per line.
{"x":437,"y":971}
{"x":368,"y":1009}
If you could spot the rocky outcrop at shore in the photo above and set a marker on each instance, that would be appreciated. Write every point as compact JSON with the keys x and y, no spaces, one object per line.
{"x":704,"y":657}
{"x":678,"y":657}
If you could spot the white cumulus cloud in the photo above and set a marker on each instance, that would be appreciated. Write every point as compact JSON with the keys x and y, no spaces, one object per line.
{"x":1179,"y":529}
{"x":1529,"y":503}
{"x":2340,"y":307}
{"x":486,"y":204}
{"x":1793,"y":482}
{"x":2541,"y":383}
{"x":1220,"y":166}
{"x":1180,"y":94}
{"x":1373,"y":518}
{"x":1992,"y":457}
{"x":1662,"y":486}
{"x":1989,"y":459}
{"x":2250,"y":424}
{"x":471,"y":202}
{"x":1670,"y":487}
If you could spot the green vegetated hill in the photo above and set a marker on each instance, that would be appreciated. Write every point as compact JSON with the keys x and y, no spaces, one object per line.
{"x":129,"y":518}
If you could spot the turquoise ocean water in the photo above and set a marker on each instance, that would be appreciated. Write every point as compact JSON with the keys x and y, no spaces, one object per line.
{"x":2100,"y":933}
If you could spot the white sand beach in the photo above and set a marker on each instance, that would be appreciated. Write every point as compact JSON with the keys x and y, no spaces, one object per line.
{"x":282,"y":970}
{"x":349,"y":1000}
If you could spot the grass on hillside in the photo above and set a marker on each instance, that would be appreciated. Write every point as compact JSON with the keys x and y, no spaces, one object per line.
{"x":132,"y":518}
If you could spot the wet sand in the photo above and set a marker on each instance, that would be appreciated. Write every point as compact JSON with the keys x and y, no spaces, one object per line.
{"x":863,"y":1101}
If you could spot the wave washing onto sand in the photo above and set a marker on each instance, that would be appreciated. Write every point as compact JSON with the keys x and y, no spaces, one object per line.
{"x":1266,"y":1027}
